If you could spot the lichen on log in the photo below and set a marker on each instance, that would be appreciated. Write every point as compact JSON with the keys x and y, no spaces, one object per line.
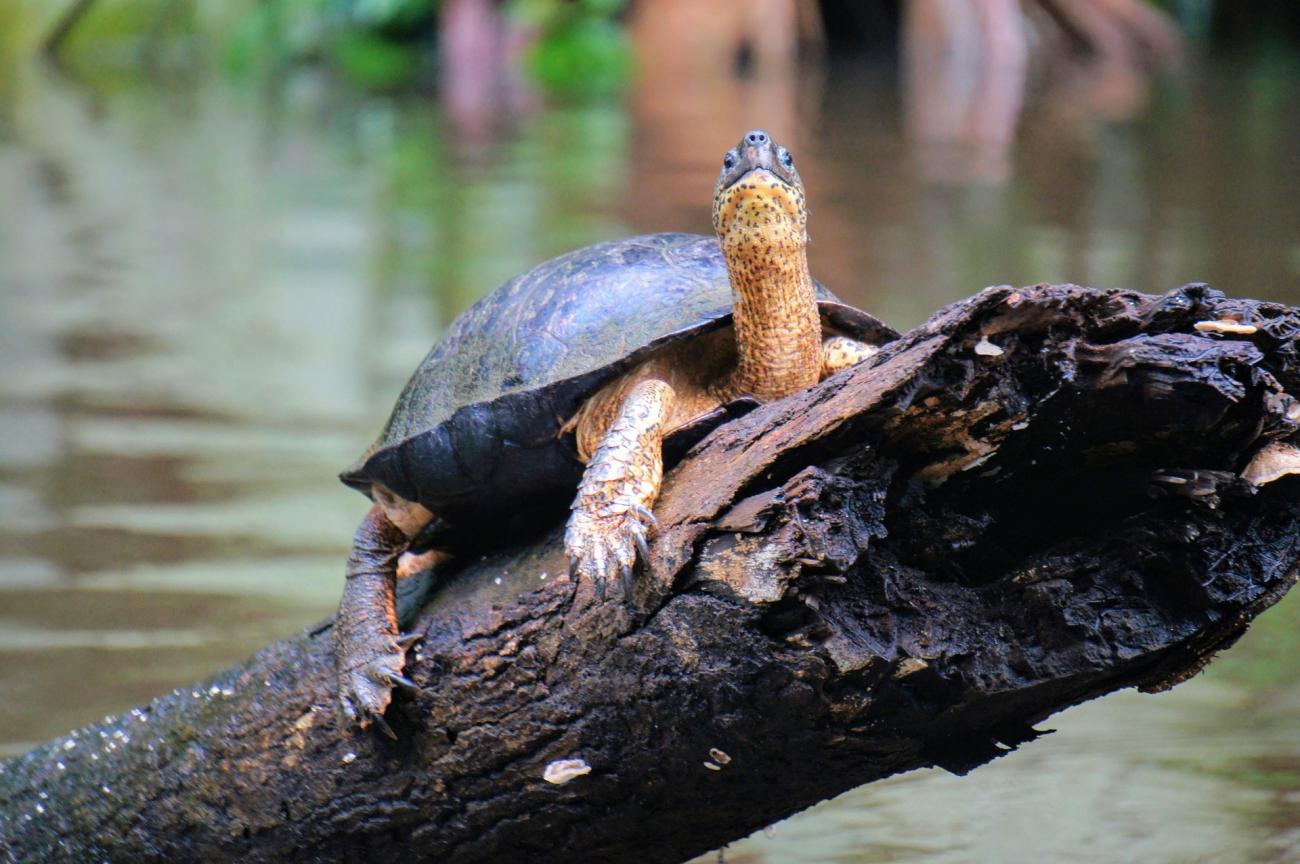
{"x":1038,"y":497}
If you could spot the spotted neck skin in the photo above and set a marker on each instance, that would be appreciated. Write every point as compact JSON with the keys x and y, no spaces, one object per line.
{"x":761,"y":223}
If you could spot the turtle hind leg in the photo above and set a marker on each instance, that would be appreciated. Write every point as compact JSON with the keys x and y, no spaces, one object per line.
{"x":417,"y":575}
{"x":369,"y":653}
{"x":611,"y":513}
{"x":841,"y":352}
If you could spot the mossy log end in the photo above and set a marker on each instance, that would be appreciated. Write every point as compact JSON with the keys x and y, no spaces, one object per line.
{"x":1034,"y":499}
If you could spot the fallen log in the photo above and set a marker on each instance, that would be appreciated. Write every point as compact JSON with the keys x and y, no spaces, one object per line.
{"x":1034,"y":499}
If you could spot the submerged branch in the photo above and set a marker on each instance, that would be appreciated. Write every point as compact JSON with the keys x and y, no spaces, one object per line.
{"x":1034,"y":499}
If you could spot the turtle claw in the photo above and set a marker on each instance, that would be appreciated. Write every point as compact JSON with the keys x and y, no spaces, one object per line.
{"x":348,"y":712}
{"x":382,"y":725}
{"x":403,"y":682}
{"x":365,"y":689}
{"x":648,"y":516}
{"x":604,"y":547}
{"x":406,"y":640}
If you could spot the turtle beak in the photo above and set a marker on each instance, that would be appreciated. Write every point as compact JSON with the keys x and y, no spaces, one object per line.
{"x":757,"y":152}
{"x":754,"y":168}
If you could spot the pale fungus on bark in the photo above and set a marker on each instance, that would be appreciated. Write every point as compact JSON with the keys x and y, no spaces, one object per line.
{"x":1226,"y":326}
{"x":1276,"y":460}
{"x":985,"y":348}
{"x":910,"y":666}
{"x":561,"y":771}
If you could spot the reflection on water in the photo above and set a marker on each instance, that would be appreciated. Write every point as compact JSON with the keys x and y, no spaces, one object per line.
{"x":209,"y":294}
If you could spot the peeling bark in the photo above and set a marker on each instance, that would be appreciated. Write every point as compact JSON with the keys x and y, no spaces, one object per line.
{"x":1034,"y":499}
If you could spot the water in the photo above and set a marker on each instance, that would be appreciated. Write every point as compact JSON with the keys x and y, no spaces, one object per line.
{"x":210,"y":294}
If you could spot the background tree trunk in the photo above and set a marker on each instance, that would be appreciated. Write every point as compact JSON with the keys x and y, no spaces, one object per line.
{"x":1030,"y":501}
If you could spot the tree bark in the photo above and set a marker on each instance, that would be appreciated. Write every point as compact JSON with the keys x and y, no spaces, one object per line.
{"x":1031,"y":500}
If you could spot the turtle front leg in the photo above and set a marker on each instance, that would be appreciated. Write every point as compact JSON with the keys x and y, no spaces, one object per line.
{"x":611,"y":513}
{"x":369,"y":654}
{"x":841,"y":352}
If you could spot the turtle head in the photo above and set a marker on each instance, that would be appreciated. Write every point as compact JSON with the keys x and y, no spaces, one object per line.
{"x":759,"y":195}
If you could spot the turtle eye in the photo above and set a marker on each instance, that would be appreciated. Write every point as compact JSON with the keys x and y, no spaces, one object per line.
{"x":729,"y":161}
{"x":786,"y":159}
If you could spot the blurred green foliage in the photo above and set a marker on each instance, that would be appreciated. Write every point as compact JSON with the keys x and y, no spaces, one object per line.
{"x":372,"y":42}
{"x":581,"y":49}
{"x":578,"y":46}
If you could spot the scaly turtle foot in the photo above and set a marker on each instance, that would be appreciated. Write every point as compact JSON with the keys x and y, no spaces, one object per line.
{"x":369,"y":653}
{"x":602,"y":546}
{"x":367,"y":678}
{"x":611,"y":513}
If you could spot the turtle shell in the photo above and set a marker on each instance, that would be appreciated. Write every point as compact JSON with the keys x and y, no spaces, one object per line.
{"x":479,"y":423}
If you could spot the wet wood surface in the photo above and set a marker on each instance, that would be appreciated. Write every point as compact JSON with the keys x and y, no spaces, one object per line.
{"x":1034,"y":499}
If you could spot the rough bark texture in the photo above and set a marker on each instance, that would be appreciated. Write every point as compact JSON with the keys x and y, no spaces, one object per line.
{"x":1030,"y":501}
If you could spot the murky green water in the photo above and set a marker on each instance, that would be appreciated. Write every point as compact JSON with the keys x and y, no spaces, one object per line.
{"x":210,"y":293}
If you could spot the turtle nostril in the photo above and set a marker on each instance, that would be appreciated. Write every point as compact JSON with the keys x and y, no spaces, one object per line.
{"x":756,"y":137}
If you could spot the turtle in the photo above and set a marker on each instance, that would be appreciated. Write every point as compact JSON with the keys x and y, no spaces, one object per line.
{"x":588,"y":373}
